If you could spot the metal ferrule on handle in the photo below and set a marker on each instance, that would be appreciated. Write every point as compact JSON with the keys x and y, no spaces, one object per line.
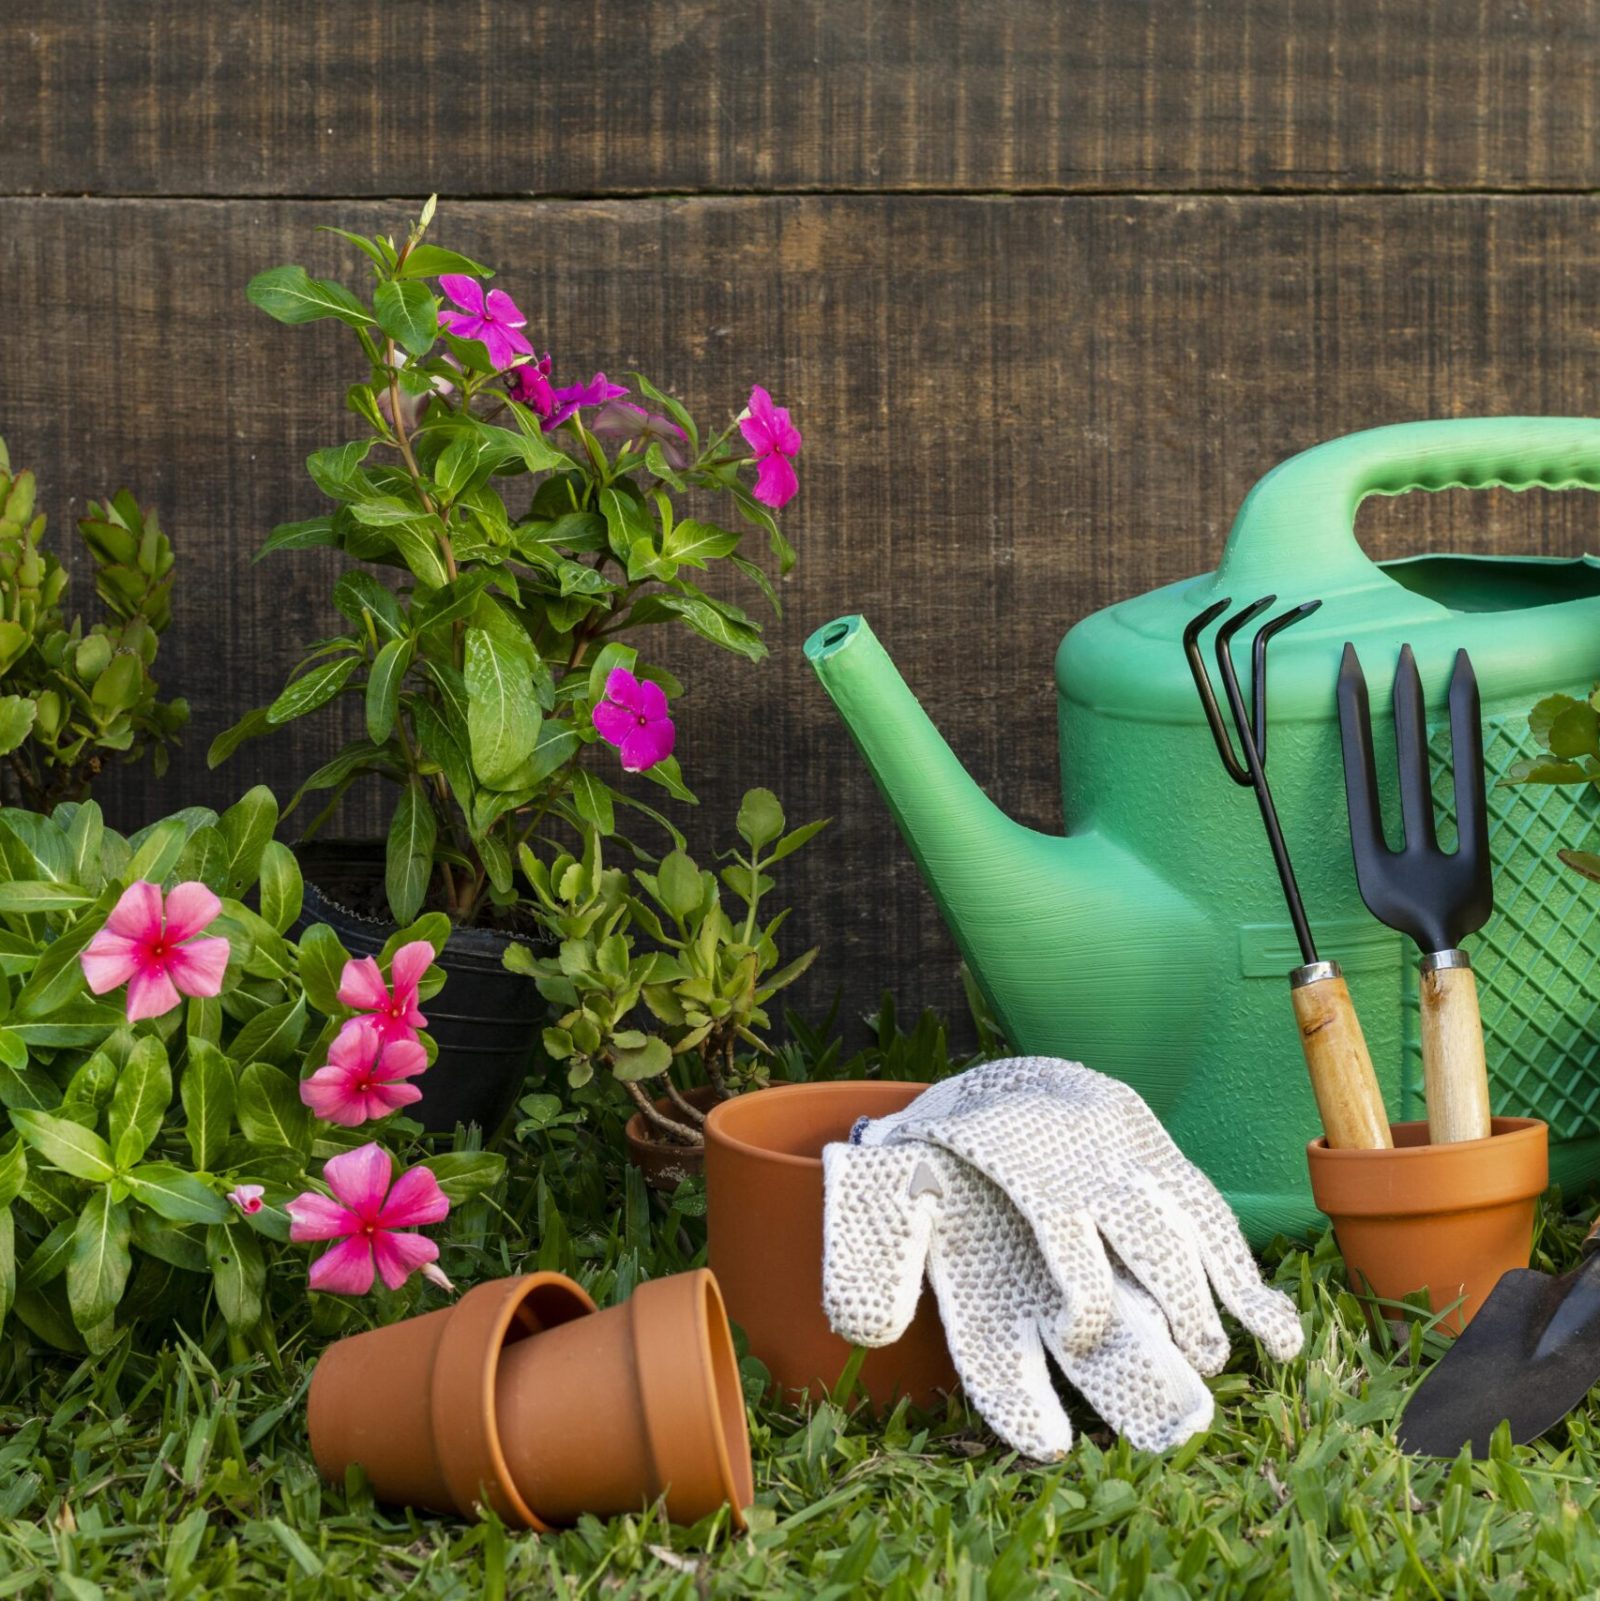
{"x":1342,"y":1079}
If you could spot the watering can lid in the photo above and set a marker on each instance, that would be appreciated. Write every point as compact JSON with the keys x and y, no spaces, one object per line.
{"x":1294,"y":538}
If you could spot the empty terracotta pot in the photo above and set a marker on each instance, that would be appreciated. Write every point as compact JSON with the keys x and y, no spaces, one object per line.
{"x":764,"y":1214}
{"x":1448,"y":1219}
{"x":524,"y":1398}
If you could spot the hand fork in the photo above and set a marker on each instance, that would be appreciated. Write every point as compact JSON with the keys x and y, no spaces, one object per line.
{"x":1436,"y":897}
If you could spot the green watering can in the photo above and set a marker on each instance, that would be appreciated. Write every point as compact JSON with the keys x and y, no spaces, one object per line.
{"x":1151,"y":940}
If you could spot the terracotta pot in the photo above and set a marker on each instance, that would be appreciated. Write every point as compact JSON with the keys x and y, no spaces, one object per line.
{"x":665,"y":1165}
{"x":764,"y":1213}
{"x":523,"y":1397}
{"x":1449,"y":1219}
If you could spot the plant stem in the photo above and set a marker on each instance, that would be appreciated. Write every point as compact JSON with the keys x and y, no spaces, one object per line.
{"x":682,"y":1105}
{"x":674,"y":1131}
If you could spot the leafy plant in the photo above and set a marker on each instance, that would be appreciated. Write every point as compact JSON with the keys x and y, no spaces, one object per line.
{"x":503,"y":533}
{"x":72,"y":699}
{"x":137,"y":1157}
{"x":1569,"y":731}
{"x":655,"y":970}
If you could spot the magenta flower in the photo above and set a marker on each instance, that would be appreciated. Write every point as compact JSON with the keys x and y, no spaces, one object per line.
{"x":621,"y":419}
{"x":393,"y":1013}
{"x":530,"y":383}
{"x":370,"y":1221}
{"x":597,"y":391}
{"x":493,"y":318}
{"x":633,"y":717}
{"x":776,"y":442}
{"x":152,"y":948}
{"x":364,"y":1076}
{"x":247,"y":1197}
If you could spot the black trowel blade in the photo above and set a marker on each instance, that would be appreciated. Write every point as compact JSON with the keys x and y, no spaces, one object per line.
{"x":1528,"y":1358}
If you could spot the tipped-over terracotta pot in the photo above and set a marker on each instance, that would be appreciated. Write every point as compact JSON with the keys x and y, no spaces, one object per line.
{"x":666,"y":1165}
{"x":764,"y":1213}
{"x":524,"y":1398}
{"x":1448,"y":1219}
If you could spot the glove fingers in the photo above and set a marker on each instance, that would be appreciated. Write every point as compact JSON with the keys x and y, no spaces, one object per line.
{"x":1070,"y":1245}
{"x":1137,"y":1379}
{"x":1159,"y":1248}
{"x":875,"y":1237}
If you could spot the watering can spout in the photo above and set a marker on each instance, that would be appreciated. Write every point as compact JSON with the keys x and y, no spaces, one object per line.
{"x":1009,"y":893}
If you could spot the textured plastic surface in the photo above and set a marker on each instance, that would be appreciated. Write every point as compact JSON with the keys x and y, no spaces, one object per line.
{"x":1150,"y":941}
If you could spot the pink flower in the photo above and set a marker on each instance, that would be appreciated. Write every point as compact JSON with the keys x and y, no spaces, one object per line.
{"x":152,"y":949}
{"x":364,"y":1075}
{"x":247,"y":1197}
{"x":530,"y":383}
{"x":494,"y":318}
{"x":368,"y":1218}
{"x":776,"y":442}
{"x":633,"y":717}
{"x":393,"y":1014}
{"x":621,"y":419}
{"x":594,"y":393}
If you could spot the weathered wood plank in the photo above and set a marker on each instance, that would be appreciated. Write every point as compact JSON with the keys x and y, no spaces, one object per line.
{"x":1015,"y":411}
{"x":499,"y":97}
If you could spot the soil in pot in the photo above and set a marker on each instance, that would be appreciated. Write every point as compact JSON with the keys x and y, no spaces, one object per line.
{"x":1448,"y":1219}
{"x":523,"y":1397}
{"x":764,"y":1214}
{"x":664,"y":1163}
{"x":486,"y":1021}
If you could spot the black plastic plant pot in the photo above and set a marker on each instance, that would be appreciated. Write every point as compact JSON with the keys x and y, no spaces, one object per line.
{"x":486,"y":1020}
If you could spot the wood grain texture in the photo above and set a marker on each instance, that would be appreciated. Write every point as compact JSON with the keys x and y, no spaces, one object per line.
{"x":1016,"y":411}
{"x":1455,"y":1076}
{"x":1349,"y":1101}
{"x":506,"y":97}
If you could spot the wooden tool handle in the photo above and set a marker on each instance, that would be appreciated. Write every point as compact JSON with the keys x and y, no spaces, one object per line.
{"x":1342,"y":1079}
{"x":1455,"y":1078}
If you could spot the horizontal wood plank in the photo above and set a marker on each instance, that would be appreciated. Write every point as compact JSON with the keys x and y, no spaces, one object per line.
{"x":507,"y":97}
{"x":1015,"y":411}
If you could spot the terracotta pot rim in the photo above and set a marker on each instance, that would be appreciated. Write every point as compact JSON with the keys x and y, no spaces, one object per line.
{"x":463,"y":1390}
{"x":638,"y":1132}
{"x":716,"y":1132}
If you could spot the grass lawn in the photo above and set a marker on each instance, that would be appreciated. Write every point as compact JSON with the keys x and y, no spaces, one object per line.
{"x":180,"y":1471}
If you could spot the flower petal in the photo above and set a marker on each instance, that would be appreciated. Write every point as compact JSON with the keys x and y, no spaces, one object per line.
{"x":623,"y":688}
{"x":137,"y":915}
{"x":410,"y":962}
{"x":385,"y":1098}
{"x":652,"y":699}
{"x":355,"y":1047}
{"x":466,"y":292}
{"x":757,"y":435}
{"x":504,"y":310}
{"x":361,"y":985}
{"x":315,"y":1217}
{"x":416,"y":1198}
{"x":646,"y":746}
{"x":345,"y":1270}
{"x":247,"y":1197}
{"x":110,"y":960}
{"x":400,"y":1255}
{"x":190,"y":909}
{"x":360,"y":1178}
{"x":331,"y":1095}
{"x":151,"y":994}
{"x":776,"y":484}
{"x":613,"y":723}
{"x":198,"y":967}
{"x":401,"y":1059}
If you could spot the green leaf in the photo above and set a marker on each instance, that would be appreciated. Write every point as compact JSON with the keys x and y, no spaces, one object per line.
{"x":85,"y":1022}
{"x":1543,"y":716}
{"x":760,"y":819}
{"x":626,"y":522}
{"x":287,"y":294}
{"x":205,"y":857}
{"x":465,"y":1174}
{"x":272,"y":1035}
{"x":248,"y":826}
{"x":336,"y":469}
{"x":66,"y":1145}
{"x":43,"y":843}
{"x":158,"y":852}
{"x":502,"y":716}
{"x":358,"y":594}
{"x":696,"y":543}
{"x":311,"y":534}
{"x":167,"y":1244}
{"x":792,"y":842}
{"x":97,"y":1271}
{"x":251,"y":726}
{"x":434,"y":927}
{"x":238,"y":1273}
{"x":1585,"y":862}
{"x":649,"y":1060}
{"x":48,"y":1259}
{"x":208,"y":1096}
{"x":388,"y":672}
{"x":36,"y":895}
{"x":408,"y":858}
{"x":408,"y":314}
{"x":1576,"y":731}
{"x":17,"y":713}
{"x":311,"y":690}
{"x":175,"y":1195}
{"x":322,"y":963}
{"x":143,"y":1093}
{"x":682,"y":889}
{"x":593,"y":801}
{"x":13,"y":1173}
{"x":282,"y":887}
{"x":8,"y":1264}
{"x":428,"y":261}
{"x":1542,"y":770}
{"x":270,"y":1111}
{"x":714,"y":620}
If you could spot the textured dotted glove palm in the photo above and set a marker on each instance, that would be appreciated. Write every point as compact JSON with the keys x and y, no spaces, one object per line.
{"x":1050,"y":1211}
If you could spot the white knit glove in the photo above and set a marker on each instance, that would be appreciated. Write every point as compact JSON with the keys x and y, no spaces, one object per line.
{"x":1051,"y":1211}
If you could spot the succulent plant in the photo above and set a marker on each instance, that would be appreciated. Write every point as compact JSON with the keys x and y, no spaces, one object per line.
{"x":71,"y":697}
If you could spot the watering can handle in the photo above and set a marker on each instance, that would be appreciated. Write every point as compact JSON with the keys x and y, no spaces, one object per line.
{"x":1296,"y":529}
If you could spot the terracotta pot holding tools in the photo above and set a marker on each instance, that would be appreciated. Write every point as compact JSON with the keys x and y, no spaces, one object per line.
{"x":665,"y":1164}
{"x":524,"y":1398}
{"x":1448,"y":1219}
{"x":764,"y":1213}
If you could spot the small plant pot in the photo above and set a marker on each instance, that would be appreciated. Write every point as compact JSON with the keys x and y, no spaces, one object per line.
{"x":523,"y":1398}
{"x":486,"y":1020}
{"x":1448,"y":1219}
{"x":665,"y":1165}
{"x":764,"y":1215}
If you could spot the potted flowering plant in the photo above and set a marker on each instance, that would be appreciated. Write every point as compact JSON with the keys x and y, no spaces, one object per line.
{"x":507,"y":535}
